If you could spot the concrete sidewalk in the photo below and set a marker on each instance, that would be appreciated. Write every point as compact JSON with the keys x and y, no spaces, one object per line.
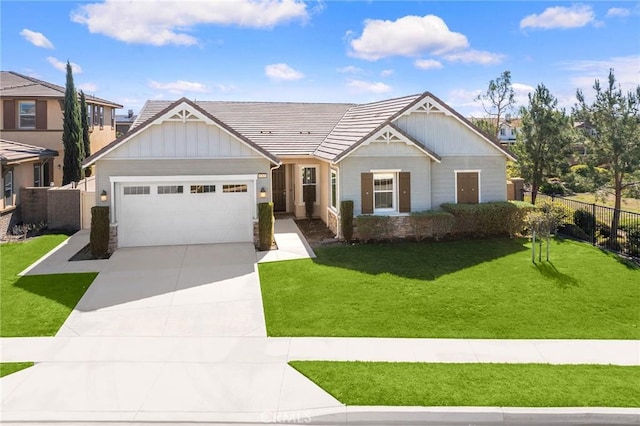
{"x":284,"y":349}
{"x":290,"y":242}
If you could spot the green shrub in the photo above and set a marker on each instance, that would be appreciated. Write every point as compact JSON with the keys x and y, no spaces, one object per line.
{"x":372,"y":227}
{"x":346,"y":220}
{"x":585,"y":220}
{"x":265,"y":225}
{"x":552,"y":188}
{"x":633,"y":242}
{"x":571,"y":230}
{"x":99,"y":235}
{"x":431,"y":224}
{"x":498,"y":218}
{"x":309,"y":200}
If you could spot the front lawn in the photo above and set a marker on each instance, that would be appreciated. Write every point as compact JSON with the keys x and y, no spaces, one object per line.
{"x":7,"y":368}
{"x":459,"y":289}
{"x":35,"y":305}
{"x":494,"y":385}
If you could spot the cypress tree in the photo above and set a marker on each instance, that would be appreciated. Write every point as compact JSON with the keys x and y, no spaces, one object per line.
{"x":72,"y":134}
{"x":84,"y":117}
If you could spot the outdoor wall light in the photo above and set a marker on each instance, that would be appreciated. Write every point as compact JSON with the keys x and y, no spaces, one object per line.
{"x":103,"y":195}
{"x":263,"y":192}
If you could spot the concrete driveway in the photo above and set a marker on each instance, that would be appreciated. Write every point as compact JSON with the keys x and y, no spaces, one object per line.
{"x":182,"y":291}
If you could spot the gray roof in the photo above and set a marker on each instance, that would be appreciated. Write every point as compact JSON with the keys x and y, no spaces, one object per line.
{"x":358,"y":122}
{"x":14,"y":152}
{"x":13,"y":84}
{"x":282,"y":128}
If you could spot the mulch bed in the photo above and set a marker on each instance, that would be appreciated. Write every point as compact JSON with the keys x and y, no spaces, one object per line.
{"x":316,"y":232}
{"x":85,"y":254}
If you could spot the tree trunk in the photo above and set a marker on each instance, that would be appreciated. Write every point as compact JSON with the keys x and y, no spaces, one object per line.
{"x":534,"y":193}
{"x":615,"y":221}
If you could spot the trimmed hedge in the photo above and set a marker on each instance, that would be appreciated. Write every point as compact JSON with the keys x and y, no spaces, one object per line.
{"x":99,"y":236}
{"x":585,"y":220}
{"x":499,"y":218}
{"x":372,"y":227}
{"x":431,"y":224}
{"x":346,"y":220}
{"x":265,"y":225}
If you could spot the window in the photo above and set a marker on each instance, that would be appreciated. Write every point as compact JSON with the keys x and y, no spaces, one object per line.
{"x":202,"y":189}
{"x":170,"y":189}
{"x":8,"y":188}
{"x":27,"y":114}
{"x":90,"y":115}
{"x":101,"y":117}
{"x":383,"y":191}
{"x":503,"y":131}
{"x":309,"y":183}
{"x":96,"y":115}
{"x":234,"y":188}
{"x":513,"y":132}
{"x":37,"y":175}
{"x":113,"y":118}
{"x":136,"y":190}
{"x":334,"y":188}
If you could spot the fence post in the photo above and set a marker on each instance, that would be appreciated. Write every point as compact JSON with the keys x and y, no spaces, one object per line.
{"x":595,"y":222}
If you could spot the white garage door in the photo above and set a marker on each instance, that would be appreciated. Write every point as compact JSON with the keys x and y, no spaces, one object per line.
{"x":170,"y":213}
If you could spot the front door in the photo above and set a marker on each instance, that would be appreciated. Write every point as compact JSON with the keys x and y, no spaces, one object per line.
{"x":468,"y":187}
{"x":279,"y":190}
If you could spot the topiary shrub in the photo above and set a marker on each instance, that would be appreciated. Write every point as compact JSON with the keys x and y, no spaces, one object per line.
{"x":431,"y":224}
{"x":585,"y":220}
{"x":346,"y":220}
{"x":373,"y":228}
{"x":309,"y":196}
{"x":99,"y":235}
{"x":265,"y":225}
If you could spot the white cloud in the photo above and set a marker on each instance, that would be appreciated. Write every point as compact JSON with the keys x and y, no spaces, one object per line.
{"x":475,"y":57}
{"x":521,"y":93}
{"x":62,"y":66}
{"x":618,"y":12}
{"x":37,"y":39}
{"x":88,"y":87}
{"x":406,"y":36}
{"x":386,"y":73}
{"x":428,"y":64}
{"x":350,"y":69}
{"x":179,"y":86}
{"x":463,"y":98}
{"x":575,"y":16}
{"x":282,"y":72}
{"x":361,"y":86}
{"x":585,"y":72}
{"x":159,"y":22}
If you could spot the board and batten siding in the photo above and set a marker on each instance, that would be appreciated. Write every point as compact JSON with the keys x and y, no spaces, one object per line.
{"x":418,"y":165}
{"x":181,"y":167}
{"x":493,"y":176}
{"x":173,"y":139}
{"x":445,"y":135}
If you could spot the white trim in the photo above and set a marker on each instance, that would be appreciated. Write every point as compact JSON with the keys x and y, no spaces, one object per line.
{"x":394,"y":192}
{"x":386,"y":133}
{"x":300,"y":189}
{"x":183,"y":178}
{"x":332,"y":208}
{"x":455,"y":179}
{"x":385,"y":170}
{"x":433,"y":104}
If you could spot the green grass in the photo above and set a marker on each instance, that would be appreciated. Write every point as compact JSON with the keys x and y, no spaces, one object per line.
{"x":460,"y":289}
{"x":628,"y":204}
{"x":7,"y":368}
{"x":501,"y":385}
{"x":35,"y":305}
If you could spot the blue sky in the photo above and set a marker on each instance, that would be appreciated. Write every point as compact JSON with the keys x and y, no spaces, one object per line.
{"x":321,"y":51}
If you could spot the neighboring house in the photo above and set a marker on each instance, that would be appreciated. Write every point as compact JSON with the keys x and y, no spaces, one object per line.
{"x":32,"y":113}
{"x":507,"y":130}
{"x":21,"y":165}
{"x":193,"y":172}
{"x":124,"y":122}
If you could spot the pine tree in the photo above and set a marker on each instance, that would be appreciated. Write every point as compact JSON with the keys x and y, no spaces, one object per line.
{"x":543,"y":144}
{"x":72,"y":134}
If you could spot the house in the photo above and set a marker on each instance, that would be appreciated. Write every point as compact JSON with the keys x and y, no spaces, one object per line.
{"x":124,"y":122}
{"x":32,"y":113}
{"x":508,"y":128}
{"x":193,"y":172}
{"x":20,"y":165}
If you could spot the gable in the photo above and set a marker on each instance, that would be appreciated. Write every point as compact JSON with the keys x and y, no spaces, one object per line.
{"x":442,"y":130}
{"x":173,"y":139}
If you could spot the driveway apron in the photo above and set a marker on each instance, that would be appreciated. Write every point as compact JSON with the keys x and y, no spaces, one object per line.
{"x":193,"y":290}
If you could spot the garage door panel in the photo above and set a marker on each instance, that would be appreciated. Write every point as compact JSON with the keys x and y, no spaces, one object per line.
{"x":183,"y":218}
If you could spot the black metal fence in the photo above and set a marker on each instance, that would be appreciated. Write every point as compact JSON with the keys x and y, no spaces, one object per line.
{"x":592,"y":223}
